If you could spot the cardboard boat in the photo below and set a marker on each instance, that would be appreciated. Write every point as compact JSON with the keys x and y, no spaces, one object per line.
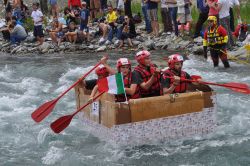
{"x":148,"y":120}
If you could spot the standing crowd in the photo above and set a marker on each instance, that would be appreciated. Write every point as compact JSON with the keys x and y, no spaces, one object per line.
{"x":115,"y":20}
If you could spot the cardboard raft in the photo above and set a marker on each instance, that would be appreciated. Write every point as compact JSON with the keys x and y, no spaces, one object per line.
{"x":109,"y":114}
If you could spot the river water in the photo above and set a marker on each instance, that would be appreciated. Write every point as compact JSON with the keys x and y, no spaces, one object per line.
{"x":28,"y":81}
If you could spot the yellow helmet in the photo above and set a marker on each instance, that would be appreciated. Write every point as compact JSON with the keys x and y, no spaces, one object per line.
{"x":212,"y":18}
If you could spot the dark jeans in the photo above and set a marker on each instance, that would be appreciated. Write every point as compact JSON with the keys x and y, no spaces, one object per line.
{"x":231,"y":19}
{"x":225,"y":22}
{"x":146,"y":18}
{"x":114,"y":31}
{"x":201,"y":20}
{"x":127,"y":8}
{"x":166,"y":20}
{"x":173,"y":14}
{"x":16,"y":39}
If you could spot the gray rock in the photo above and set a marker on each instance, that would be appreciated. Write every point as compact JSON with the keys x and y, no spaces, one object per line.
{"x":198,"y":50}
{"x":102,"y":48}
{"x":136,"y":42}
{"x":198,"y":40}
{"x":150,"y":44}
{"x":15,"y":49}
{"x":44,"y":47}
{"x":30,"y":39}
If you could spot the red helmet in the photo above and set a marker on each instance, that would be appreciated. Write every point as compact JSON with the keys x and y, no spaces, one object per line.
{"x":101,"y":71}
{"x":122,"y":61}
{"x":172,"y":59}
{"x":141,"y":55}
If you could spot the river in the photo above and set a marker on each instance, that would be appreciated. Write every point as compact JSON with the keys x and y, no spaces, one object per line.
{"x":28,"y":81}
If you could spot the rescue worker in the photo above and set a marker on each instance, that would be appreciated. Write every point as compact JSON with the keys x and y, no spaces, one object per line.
{"x":216,"y":39}
{"x":146,"y":76}
{"x":124,"y":66}
{"x":172,"y":78}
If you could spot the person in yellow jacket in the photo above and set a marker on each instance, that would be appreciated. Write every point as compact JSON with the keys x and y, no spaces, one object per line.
{"x":216,"y":39}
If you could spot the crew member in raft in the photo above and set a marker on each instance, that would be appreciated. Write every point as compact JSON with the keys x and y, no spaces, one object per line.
{"x":171,"y":79}
{"x":101,"y":72}
{"x":124,"y":66}
{"x":146,"y":76}
{"x":216,"y":39}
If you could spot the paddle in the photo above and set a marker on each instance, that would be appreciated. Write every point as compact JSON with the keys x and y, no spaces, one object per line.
{"x":237,"y":87}
{"x":44,"y":110}
{"x":63,"y":122}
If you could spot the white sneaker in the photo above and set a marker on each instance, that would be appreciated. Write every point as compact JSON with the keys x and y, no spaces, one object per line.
{"x":102,"y":40}
{"x":117,"y":42}
{"x":107,"y":42}
{"x":169,"y":33}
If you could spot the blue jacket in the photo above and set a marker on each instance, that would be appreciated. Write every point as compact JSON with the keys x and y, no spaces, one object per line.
{"x":202,"y":6}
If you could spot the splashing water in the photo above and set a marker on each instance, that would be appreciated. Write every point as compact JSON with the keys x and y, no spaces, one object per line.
{"x":27,"y":82}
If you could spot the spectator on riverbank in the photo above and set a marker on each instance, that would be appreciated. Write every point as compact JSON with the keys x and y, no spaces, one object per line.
{"x":74,"y":4}
{"x":223,"y":6}
{"x":54,"y":10}
{"x":203,"y":15}
{"x":17,"y":33}
{"x":56,"y":33}
{"x":212,"y":10}
{"x":128,"y":31}
{"x":37,"y":17}
{"x":71,"y":35}
{"x":95,"y":8}
{"x":70,"y":16}
{"x":144,"y":9}
{"x":236,"y":4}
{"x":5,"y":30}
{"x":84,"y":23}
{"x":166,"y":19}
{"x":172,"y":6}
{"x":184,"y":11}
{"x":127,"y":8}
{"x":153,"y":15}
{"x":17,"y":9}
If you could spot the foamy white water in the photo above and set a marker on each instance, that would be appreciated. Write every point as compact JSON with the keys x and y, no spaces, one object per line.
{"x":27,"y":82}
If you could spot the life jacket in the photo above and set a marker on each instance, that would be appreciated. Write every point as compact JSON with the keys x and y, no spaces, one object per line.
{"x":155,"y":87}
{"x":127,"y":84}
{"x":213,"y":37}
{"x":182,"y":87}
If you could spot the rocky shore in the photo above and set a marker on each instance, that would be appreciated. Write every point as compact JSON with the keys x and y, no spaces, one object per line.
{"x":167,"y":42}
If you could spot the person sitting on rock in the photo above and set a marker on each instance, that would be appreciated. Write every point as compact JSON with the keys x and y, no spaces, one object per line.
{"x":56,"y":33}
{"x":128,"y":31}
{"x":171,"y":79}
{"x":146,"y":76}
{"x":216,"y":39}
{"x":69,"y":15}
{"x":71,"y":35}
{"x":17,"y":33}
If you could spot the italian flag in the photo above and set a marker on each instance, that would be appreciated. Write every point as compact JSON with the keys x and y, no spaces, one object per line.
{"x":112,"y":84}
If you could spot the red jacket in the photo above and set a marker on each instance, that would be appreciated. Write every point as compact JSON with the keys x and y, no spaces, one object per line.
{"x":74,"y":3}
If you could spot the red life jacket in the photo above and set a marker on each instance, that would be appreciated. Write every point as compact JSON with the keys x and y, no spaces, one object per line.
{"x":127,"y":83}
{"x":182,"y":87}
{"x":155,"y":87}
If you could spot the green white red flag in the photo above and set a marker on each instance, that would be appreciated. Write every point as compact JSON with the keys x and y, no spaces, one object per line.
{"x":112,"y":84}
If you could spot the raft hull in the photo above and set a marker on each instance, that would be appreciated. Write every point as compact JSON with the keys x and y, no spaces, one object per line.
{"x":149,"y":120}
